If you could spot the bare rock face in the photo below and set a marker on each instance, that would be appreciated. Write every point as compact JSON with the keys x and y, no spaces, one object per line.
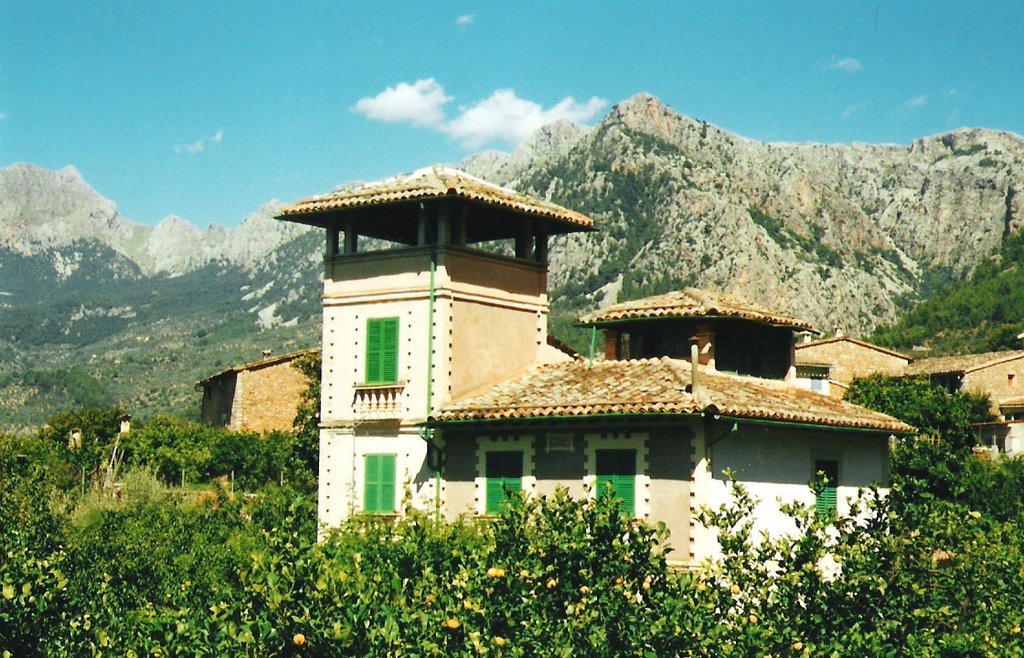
{"x":548,"y":143}
{"x":45,"y":211}
{"x":42,"y":209}
{"x":844,"y":236}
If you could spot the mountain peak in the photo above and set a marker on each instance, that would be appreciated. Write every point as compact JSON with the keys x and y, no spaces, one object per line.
{"x":70,"y":172}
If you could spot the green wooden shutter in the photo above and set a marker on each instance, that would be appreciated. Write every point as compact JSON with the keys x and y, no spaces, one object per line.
{"x":379,"y":484}
{"x":389,"y":351}
{"x":826,"y":498}
{"x":503,"y":472}
{"x":382,"y":350}
{"x":371,"y":483}
{"x":625,"y":490}
{"x":617,"y":469}
{"x":825,"y":502}
{"x":373,"y":350}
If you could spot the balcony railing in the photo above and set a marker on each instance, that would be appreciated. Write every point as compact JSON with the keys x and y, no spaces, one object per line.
{"x":378,"y":401}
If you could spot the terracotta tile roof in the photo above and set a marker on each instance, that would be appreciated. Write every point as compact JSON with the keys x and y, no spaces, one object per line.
{"x":847,"y":339}
{"x":262,"y":363}
{"x":433,"y":182}
{"x":1012,"y":402}
{"x":965,"y":363}
{"x":692,"y":303}
{"x":656,"y":386}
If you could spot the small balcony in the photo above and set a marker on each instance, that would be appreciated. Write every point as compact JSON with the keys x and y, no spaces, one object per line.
{"x":378,"y":401}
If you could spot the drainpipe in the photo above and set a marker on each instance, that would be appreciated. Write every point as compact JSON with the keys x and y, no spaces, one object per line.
{"x":427,"y":432}
{"x":593,"y":342}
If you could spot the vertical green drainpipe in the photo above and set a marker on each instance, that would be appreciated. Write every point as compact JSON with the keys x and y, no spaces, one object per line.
{"x":593,"y":343}
{"x":430,"y":388}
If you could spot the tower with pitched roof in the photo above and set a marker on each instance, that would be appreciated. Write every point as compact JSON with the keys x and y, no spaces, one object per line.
{"x":435,"y":285}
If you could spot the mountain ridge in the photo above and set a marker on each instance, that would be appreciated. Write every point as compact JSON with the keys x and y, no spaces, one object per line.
{"x":848,"y":236}
{"x":42,"y":210}
{"x":845,"y":236}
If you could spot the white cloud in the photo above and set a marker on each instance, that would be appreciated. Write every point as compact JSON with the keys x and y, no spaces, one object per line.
{"x":421,"y":104}
{"x":846,"y":65}
{"x":914,"y":103}
{"x":465,"y":19}
{"x":502,"y":116}
{"x":506,"y":117}
{"x":3,"y":116}
{"x":853,"y":109}
{"x":201,"y":145}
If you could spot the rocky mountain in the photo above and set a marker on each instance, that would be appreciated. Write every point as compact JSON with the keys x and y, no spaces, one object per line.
{"x":46,"y":212}
{"x":95,"y":309}
{"x":845,"y":236}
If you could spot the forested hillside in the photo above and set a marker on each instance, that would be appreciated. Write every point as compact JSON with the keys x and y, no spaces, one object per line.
{"x":983,"y":313}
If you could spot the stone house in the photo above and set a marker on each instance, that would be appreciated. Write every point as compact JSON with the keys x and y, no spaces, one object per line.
{"x":261,"y":396}
{"x":995,"y":374}
{"x":439,"y":384}
{"x":829,"y":365}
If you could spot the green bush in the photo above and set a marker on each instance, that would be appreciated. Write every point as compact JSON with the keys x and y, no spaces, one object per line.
{"x":180,"y":450}
{"x":932,"y":568}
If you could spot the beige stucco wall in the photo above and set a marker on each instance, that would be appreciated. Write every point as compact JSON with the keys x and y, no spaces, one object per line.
{"x":266,"y":398}
{"x":488,"y":322}
{"x":488,"y":343}
{"x":665,"y":463}
{"x":995,"y":381}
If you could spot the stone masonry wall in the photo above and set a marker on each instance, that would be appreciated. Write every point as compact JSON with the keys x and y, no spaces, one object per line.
{"x":995,"y":381}
{"x":266,"y":398}
{"x":850,"y":360}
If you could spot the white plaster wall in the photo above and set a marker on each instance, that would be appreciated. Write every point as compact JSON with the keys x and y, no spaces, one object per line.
{"x":411,"y":478}
{"x":344,"y":356}
{"x":778,"y":465}
{"x":334,"y":484}
{"x":805,"y":383}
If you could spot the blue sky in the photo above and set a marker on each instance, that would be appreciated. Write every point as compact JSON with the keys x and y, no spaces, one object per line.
{"x":208,"y":109}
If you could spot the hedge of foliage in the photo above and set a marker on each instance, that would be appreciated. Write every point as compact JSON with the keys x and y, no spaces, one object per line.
{"x":933,"y":568}
{"x":161,"y":573}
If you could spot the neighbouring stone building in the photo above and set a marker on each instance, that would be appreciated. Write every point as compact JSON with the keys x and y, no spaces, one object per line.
{"x":439,"y":384}
{"x":255,"y":397}
{"x":995,"y":374}
{"x":829,"y":365}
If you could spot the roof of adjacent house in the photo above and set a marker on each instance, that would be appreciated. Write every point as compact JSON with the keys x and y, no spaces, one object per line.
{"x":840,"y":339}
{"x":657,"y":386}
{"x":435,"y":182}
{"x":949,"y":365}
{"x":262,"y":363}
{"x":692,"y":303}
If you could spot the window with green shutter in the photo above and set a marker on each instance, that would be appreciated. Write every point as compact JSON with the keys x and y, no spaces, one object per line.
{"x":382,"y":351}
{"x":825,"y":498}
{"x":503,"y":472}
{"x":379,"y":484}
{"x":616,"y":469}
